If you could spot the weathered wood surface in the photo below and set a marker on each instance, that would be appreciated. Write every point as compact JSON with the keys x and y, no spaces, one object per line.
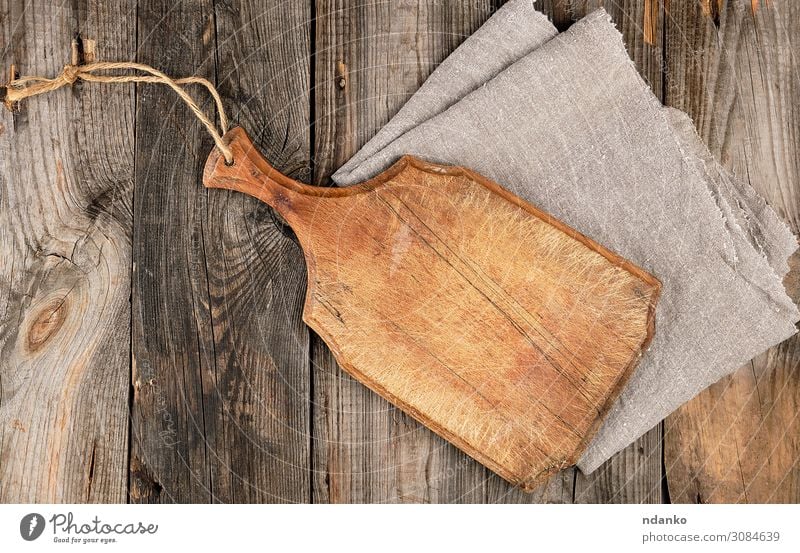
{"x":220,"y":377}
{"x":737,"y":75}
{"x":66,"y":184}
{"x":250,"y":405}
{"x":371,"y":56}
{"x":366,"y":450}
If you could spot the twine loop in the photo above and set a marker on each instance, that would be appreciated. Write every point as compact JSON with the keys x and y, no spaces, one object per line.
{"x":19,"y":88}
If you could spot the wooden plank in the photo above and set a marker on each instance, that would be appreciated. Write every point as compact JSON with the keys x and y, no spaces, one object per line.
{"x":696,"y":84}
{"x":561,"y":487}
{"x":633,"y":474}
{"x":257,"y":276}
{"x":370,"y":57}
{"x":734,"y":72}
{"x":220,"y":358}
{"x":172,"y":336}
{"x":66,"y":180}
{"x":347,"y":117}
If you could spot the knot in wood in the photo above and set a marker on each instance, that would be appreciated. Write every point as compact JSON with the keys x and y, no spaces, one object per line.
{"x":46,"y":323}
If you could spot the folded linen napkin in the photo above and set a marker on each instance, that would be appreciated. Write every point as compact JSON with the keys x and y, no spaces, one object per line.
{"x":566,"y":122}
{"x":517,"y":29}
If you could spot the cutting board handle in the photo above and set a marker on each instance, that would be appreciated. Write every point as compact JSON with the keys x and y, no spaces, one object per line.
{"x":252,"y":174}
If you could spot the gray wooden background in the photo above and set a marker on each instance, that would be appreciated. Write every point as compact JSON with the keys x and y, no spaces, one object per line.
{"x":151,"y":345}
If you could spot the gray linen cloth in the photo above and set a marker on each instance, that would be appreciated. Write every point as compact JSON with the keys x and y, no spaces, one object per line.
{"x":566,"y":122}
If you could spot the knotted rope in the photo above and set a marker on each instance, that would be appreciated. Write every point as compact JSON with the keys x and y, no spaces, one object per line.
{"x":18,"y":89}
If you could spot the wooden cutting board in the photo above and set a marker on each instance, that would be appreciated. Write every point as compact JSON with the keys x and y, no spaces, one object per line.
{"x":494,"y":324}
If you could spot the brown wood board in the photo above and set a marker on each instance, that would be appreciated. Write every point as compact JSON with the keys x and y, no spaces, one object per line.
{"x":494,"y":324}
{"x":268,"y":415}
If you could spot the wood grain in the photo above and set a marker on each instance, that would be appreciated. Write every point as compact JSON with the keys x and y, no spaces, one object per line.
{"x":65,"y":220}
{"x":345,"y":74}
{"x":737,"y":76}
{"x":634,"y":475}
{"x":220,"y":404}
{"x":370,"y":57}
{"x":172,"y":337}
{"x":423,"y":279}
{"x":259,"y":394}
{"x":635,"y":471}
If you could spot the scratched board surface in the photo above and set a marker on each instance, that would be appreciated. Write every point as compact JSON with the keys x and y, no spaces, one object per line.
{"x":151,"y":341}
